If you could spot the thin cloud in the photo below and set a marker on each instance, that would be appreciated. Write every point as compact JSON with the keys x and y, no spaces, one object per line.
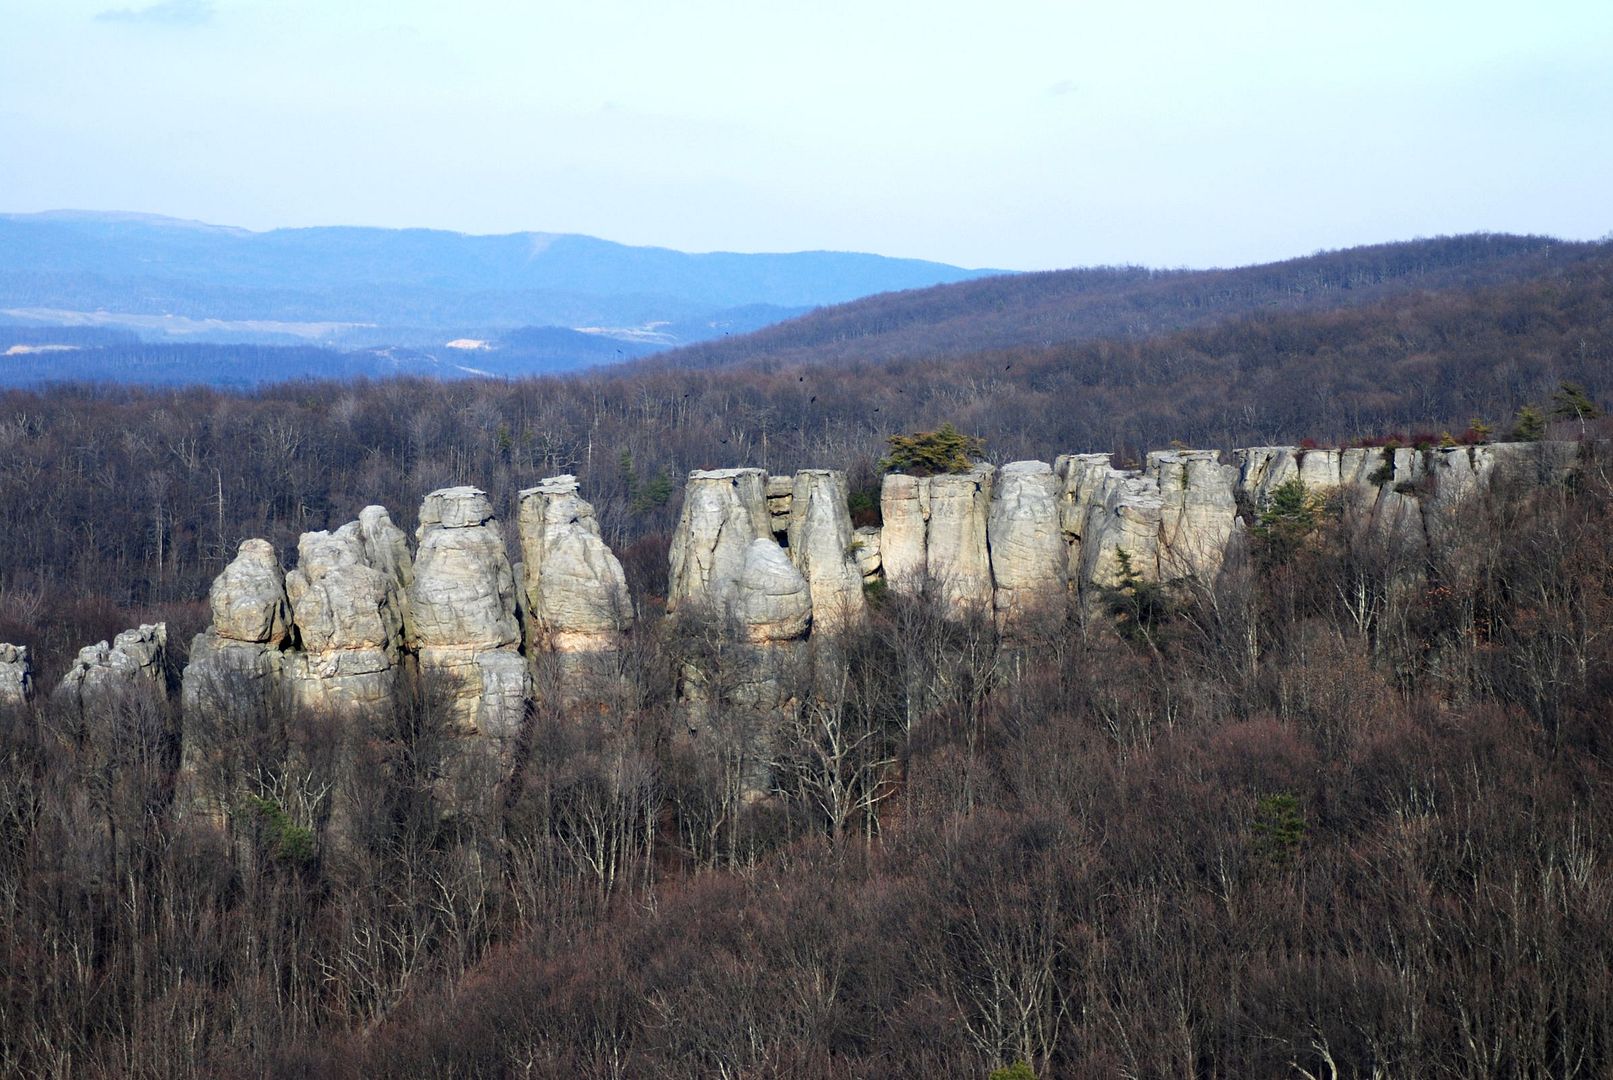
{"x":166,"y":13}
{"x":1062,"y":88}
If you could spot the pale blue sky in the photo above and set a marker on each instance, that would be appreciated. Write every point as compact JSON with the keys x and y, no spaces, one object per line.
{"x":1016,"y":133}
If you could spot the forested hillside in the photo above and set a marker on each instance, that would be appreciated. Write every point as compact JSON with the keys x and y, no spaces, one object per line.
{"x":1070,"y":306}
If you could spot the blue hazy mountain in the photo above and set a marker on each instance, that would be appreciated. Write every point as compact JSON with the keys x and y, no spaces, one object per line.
{"x":387,"y":286}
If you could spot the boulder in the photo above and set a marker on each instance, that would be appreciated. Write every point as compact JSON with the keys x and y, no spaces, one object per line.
{"x":865,"y":546}
{"x":16,"y":676}
{"x":1025,"y":535}
{"x":132,"y":663}
{"x":771,"y":601}
{"x":821,"y":547}
{"x":249,"y":598}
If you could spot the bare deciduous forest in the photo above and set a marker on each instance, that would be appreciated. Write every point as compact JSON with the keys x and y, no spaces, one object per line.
{"x":1335,"y":816}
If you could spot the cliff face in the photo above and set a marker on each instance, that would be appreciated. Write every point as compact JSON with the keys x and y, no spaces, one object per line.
{"x":759,"y":562}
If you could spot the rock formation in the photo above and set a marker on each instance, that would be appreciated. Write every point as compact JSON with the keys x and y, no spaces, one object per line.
{"x":935,"y":534}
{"x":723,"y":511}
{"x":780,"y":495}
{"x":1025,"y":535}
{"x":240,"y":655}
{"x":1121,"y":533}
{"x":349,"y":619}
{"x":865,"y":545}
{"x":576,"y":608}
{"x":16,"y":676}
{"x":821,"y":547}
{"x":1081,"y":478}
{"x":576,"y":598}
{"x":462,"y":612}
{"x":1198,"y":511}
{"x":756,"y":565}
{"x":132,"y":664}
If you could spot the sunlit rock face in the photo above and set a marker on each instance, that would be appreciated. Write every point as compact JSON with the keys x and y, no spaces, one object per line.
{"x":462,"y":612}
{"x":238,"y":660}
{"x":904,"y":506}
{"x":724,"y":510}
{"x":738,"y":591}
{"x":576,"y":607}
{"x":349,"y":620}
{"x":248,"y":599}
{"x":1198,"y":512}
{"x":1025,"y":536}
{"x":133,"y":662}
{"x":934,"y":536}
{"x":822,"y":548}
{"x":1122,"y":530}
{"x":16,"y":676}
{"x":1080,"y":476}
{"x":772,"y":601}
{"x":574,"y":587}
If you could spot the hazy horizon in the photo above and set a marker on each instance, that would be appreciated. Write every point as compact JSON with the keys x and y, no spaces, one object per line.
{"x":1045,"y":135}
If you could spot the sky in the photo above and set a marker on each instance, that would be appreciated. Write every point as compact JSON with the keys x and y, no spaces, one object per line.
{"x":1015,"y":134}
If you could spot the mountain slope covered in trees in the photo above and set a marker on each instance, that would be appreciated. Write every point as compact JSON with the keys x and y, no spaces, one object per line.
{"x":1070,"y":306}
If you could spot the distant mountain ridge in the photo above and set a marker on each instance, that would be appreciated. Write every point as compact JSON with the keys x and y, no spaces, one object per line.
{"x":424,"y":281}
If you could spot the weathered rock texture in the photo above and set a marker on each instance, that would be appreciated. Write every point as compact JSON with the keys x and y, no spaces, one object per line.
{"x":132,"y":664}
{"x":865,"y":543}
{"x":1025,"y":535}
{"x":349,"y":619}
{"x":462,"y":612}
{"x":821,"y":547}
{"x":16,"y":676}
{"x":575,"y":591}
{"x":576,"y":609}
{"x":239,"y":658}
{"x":1198,"y":511}
{"x":723,"y":511}
{"x":935,"y":536}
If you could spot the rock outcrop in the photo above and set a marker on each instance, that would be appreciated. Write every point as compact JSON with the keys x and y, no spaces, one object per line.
{"x":780,"y":495}
{"x":822,"y":547}
{"x":1198,"y":512}
{"x":349,"y":620}
{"x":463,"y":624}
{"x":16,"y":676}
{"x":865,"y":545}
{"x":723,"y":511}
{"x":133,"y":663}
{"x":935,"y":536}
{"x":575,"y":592}
{"x":1025,"y":535}
{"x":239,"y":658}
{"x":772,"y":601}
